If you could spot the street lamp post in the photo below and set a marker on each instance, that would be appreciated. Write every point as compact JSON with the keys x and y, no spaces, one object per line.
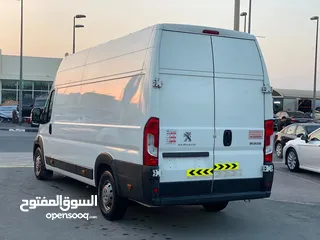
{"x":315,"y":70}
{"x":21,"y":56}
{"x":249,"y":23}
{"x":244,"y":14}
{"x":74,"y":30}
{"x":236,"y":15}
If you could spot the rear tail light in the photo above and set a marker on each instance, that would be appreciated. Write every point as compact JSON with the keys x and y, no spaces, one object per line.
{"x":268,"y":133}
{"x":293,"y":120}
{"x":151,"y":142}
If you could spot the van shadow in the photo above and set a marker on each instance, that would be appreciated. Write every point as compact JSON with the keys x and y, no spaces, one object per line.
{"x":162,"y":221}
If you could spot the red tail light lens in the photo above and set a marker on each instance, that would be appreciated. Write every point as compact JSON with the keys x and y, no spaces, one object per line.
{"x":268,"y":132}
{"x":151,"y":142}
{"x":213,"y":32}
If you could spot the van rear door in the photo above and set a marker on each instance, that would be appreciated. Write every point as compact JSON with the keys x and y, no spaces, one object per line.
{"x":186,"y":114}
{"x":239,"y":111}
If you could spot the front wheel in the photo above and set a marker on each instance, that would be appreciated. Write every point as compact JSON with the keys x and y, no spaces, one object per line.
{"x":292,"y":160}
{"x":279,"y":150}
{"x":39,"y":167}
{"x":112,"y":206}
{"x":215,"y":207}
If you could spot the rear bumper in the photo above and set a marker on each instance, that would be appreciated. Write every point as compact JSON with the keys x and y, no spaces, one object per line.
{"x":198,"y":200}
{"x":200,"y":192}
{"x":148,"y":189}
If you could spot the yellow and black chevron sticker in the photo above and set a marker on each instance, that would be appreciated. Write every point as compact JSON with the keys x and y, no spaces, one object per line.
{"x":226,"y":166}
{"x":209,"y":171}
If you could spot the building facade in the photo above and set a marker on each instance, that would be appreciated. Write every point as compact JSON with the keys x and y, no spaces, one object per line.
{"x":294,"y":100}
{"x":38,"y":76}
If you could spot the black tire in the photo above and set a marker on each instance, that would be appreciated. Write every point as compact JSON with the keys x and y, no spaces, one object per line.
{"x":215,"y":207}
{"x":113,"y":207}
{"x":279,"y":150}
{"x":292,"y":160}
{"x":39,"y":167}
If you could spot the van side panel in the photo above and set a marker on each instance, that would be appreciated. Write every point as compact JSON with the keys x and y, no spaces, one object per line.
{"x":268,"y":99}
{"x":104,"y":111}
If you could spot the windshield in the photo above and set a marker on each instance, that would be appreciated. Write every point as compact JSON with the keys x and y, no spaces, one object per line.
{"x":312,"y":128}
{"x":39,"y":103}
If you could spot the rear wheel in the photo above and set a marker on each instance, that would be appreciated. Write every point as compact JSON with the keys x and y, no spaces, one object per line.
{"x":292,"y":160}
{"x":40,"y":170}
{"x":279,"y":150}
{"x":215,"y":207}
{"x":112,"y":206}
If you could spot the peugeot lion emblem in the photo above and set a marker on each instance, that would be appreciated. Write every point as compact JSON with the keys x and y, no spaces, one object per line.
{"x":187,"y":136}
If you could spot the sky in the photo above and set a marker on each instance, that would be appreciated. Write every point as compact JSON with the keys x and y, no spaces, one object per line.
{"x":288,"y":45}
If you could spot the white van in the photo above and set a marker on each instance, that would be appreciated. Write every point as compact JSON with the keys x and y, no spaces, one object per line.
{"x":170,"y":115}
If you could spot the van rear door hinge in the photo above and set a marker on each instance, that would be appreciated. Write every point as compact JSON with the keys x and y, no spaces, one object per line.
{"x":157,"y":83}
{"x":267,"y":89}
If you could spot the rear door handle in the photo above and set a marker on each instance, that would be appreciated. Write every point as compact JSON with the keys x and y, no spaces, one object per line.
{"x":227,"y":138}
{"x":50,"y":128}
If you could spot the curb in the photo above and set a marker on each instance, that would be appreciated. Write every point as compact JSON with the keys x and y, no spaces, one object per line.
{"x":19,"y":129}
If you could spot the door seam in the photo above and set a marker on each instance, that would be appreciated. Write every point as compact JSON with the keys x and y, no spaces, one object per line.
{"x":214,"y":114}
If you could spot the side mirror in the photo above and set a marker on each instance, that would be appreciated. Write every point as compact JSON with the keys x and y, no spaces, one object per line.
{"x":300,"y":135}
{"x":36,"y":115}
{"x":305,"y":138}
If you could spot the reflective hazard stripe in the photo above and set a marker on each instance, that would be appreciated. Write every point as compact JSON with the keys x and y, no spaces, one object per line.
{"x":209,"y":171}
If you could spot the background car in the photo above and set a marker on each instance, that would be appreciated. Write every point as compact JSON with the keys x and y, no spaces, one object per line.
{"x":291,"y":132}
{"x":303,"y":153}
{"x":6,"y":113}
{"x":26,"y":107}
{"x":39,"y":102}
{"x":295,"y":116}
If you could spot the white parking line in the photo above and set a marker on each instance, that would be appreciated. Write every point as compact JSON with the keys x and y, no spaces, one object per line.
{"x":286,"y":201}
{"x":16,"y":166}
{"x":303,"y":179}
{"x":16,"y":160}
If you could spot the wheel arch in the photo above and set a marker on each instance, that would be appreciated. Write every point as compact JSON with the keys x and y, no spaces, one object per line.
{"x":38,"y":142}
{"x":105,"y":162}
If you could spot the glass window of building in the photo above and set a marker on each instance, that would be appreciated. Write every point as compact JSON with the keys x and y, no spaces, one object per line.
{"x":9,"y":84}
{"x":41,"y":86}
{"x":31,"y":89}
{"x":7,"y":95}
{"x":27,"y":85}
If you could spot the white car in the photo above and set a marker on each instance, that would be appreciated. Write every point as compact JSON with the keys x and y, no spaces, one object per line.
{"x":303,"y":153}
{"x":317,"y":115}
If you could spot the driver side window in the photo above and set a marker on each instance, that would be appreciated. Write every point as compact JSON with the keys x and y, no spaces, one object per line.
{"x":46,"y":116}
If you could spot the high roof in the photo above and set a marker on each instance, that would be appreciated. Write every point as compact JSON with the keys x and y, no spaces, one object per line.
{"x":294,"y":93}
{"x":199,"y":29}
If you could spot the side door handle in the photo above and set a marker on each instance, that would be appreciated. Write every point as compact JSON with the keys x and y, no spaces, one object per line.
{"x":227,"y":138}
{"x":50,"y":128}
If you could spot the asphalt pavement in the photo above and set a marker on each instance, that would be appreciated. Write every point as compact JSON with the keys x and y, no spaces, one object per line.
{"x":292,"y":212}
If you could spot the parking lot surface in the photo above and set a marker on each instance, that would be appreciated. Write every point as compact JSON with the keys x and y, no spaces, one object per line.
{"x":292,"y":212}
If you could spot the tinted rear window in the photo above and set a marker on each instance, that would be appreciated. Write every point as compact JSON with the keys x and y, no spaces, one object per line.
{"x":310,"y":129}
{"x":298,"y":114}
